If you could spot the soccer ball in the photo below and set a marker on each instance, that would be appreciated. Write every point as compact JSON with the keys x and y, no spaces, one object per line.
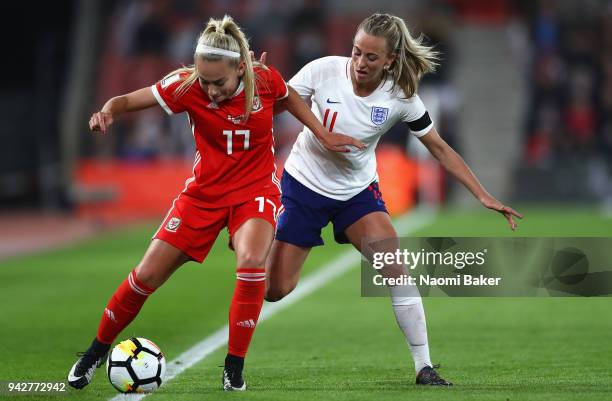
{"x":136,"y":365}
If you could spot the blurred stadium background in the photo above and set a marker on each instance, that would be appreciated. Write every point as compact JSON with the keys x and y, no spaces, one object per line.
{"x":524,"y":93}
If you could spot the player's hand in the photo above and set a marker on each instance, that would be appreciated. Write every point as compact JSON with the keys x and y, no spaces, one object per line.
{"x":490,"y":202}
{"x":262,"y":59}
{"x":338,"y":142}
{"x":100,"y":121}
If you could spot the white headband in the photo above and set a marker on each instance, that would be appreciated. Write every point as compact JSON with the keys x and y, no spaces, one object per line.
{"x":203,"y":49}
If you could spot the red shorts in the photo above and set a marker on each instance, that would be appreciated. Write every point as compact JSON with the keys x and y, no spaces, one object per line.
{"x":194,"y":229}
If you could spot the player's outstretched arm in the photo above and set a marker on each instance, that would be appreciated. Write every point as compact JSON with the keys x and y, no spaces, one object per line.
{"x":137,"y":100}
{"x":335,"y":142}
{"x":455,"y":165}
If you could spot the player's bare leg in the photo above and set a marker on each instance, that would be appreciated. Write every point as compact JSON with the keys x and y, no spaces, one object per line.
{"x":371,"y":227}
{"x":159,"y":262}
{"x":375,"y":233}
{"x":251,"y":242}
{"x":283,"y":268}
{"x":157,"y":265}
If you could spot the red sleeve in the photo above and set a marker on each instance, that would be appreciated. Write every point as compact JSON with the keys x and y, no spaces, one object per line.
{"x":277,"y":84}
{"x":164,"y":92}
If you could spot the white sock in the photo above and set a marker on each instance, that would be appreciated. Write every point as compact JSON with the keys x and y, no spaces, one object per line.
{"x":410,"y":317}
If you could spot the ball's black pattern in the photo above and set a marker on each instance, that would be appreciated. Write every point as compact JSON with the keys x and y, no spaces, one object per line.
{"x":137,"y":382}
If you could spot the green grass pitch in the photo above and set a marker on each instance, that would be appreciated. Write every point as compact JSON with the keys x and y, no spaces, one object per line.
{"x":332,"y":345}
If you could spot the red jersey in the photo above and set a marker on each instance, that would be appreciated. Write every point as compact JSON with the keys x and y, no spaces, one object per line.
{"x":234,"y":159}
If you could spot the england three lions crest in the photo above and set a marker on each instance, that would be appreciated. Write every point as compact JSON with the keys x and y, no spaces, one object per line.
{"x":379,"y":115}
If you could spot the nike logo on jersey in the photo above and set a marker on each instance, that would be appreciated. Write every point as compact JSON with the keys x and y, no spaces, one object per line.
{"x":331,"y":101}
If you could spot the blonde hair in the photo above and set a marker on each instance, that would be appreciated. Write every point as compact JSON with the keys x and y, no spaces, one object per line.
{"x":413,"y":58}
{"x":223,"y":34}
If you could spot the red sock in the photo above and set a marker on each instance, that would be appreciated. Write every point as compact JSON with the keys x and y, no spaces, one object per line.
{"x":244,"y":311}
{"x":122,"y":308}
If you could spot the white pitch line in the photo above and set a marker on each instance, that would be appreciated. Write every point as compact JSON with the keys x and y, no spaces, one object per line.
{"x":348,"y":259}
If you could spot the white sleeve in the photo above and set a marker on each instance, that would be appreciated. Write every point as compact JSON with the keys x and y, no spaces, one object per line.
{"x":303,"y":81}
{"x":416,"y":116}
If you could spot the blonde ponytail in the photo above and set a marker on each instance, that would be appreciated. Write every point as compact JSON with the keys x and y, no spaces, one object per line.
{"x":229,"y":27}
{"x":223,"y":34}
{"x":413,"y":58}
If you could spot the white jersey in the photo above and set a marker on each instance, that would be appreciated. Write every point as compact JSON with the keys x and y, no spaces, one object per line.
{"x":343,"y":175}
